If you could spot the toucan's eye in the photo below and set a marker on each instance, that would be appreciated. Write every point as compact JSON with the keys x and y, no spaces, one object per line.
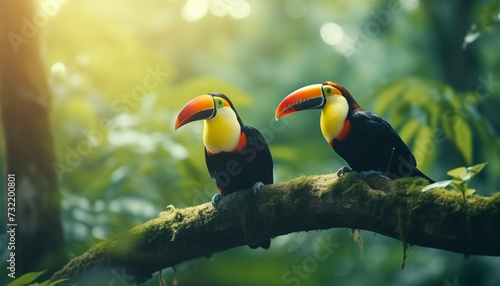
{"x":220,"y":102}
{"x":328,"y":90}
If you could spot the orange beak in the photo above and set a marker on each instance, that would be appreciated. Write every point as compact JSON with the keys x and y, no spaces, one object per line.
{"x":201,"y":107}
{"x":308,"y":97}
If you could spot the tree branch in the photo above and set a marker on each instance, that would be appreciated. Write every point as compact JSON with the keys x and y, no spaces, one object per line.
{"x":398,"y":209}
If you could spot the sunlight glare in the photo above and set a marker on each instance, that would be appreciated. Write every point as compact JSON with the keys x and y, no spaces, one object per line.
{"x":58,"y":70}
{"x":409,"y":4}
{"x":347,"y":47}
{"x":241,"y":11}
{"x":331,"y":33}
{"x":194,"y":10}
{"x":99,"y":232}
{"x":237,"y":9}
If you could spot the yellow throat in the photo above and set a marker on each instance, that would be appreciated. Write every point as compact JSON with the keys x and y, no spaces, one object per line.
{"x":333,"y":116}
{"x":221,"y":133}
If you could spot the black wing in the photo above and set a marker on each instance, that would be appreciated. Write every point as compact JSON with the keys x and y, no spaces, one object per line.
{"x":263,"y":158}
{"x":380,"y":132}
{"x":210,"y":164}
{"x":391,"y":151}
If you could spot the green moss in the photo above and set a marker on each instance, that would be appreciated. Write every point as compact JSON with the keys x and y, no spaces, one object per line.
{"x":403,"y":261}
{"x":450,"y":206}
{"x":484,"y":210}
{"x":380,"y":183}
{"x":161,"y":231}
{"x":356,"y":236}
{"x":352,"y":184}
{"x":386,"y":195}
{"x":297,"y":193}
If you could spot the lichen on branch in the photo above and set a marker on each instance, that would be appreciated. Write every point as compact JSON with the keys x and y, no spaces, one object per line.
{"x":398,"y":209}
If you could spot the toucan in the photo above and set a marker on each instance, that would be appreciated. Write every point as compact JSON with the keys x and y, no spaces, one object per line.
{"x":237,"y":156}
{"x":363,"y":139}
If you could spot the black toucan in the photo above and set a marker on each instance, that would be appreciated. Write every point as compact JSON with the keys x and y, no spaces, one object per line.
{"x":363,"y":139}
{"x":237,"y":156}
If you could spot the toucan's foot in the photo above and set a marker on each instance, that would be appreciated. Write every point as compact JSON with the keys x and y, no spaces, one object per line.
{"x":215,"y":200}
{"x":256,"y":187}
{"x":264,"y":244}
{"x":342,"y":171}
{"x":373,"y":172}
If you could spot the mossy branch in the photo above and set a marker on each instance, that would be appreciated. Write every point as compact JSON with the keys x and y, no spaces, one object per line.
{"x":398,"y":209}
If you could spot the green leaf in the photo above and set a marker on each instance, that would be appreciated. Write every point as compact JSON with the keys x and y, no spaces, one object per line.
{"x":424,"y":147}
{"x":458,"y":185}
{"x":445,"y":114}
{"x":434,"y":112}
{"x":26,"y":278}
{"x":388,"y":96}
{"x":454,"y":125}
{"x":477,"y":168}
{"x":459,"y":132}
{"x":487,"y":133}
{"x":458,"y":173}
{"x":399,"y":114}
{"x":58,"y":282}
{"x":450,"y":96}
{"x":409,"y":130}
{"x":463,"y":138}
{"x":440,"y":184}
{"x":470,"y":192}
{"x":473,"y":170}
{"x":418,"y":93}
{"x":48,"y":283}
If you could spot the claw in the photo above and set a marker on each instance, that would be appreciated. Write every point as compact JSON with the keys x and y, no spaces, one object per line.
{"x":342,"y":171}
{"x":371,"y":172}
{"x":256,"y":187}
{"x":215,"y":200}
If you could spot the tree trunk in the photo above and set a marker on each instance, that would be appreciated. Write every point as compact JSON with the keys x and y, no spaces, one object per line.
{"x":29,"y":151}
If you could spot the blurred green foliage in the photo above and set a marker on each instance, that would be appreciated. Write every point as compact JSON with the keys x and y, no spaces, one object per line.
{"x":120,"y":72}
{"x":429,"y":114}
{"x":488,"y":18}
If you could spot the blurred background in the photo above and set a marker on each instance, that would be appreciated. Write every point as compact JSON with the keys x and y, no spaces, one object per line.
{"x":119,"y":71}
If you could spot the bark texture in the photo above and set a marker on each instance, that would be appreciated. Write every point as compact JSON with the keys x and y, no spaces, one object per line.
{"x":29,"y":151}
{"x":438,"y":219}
